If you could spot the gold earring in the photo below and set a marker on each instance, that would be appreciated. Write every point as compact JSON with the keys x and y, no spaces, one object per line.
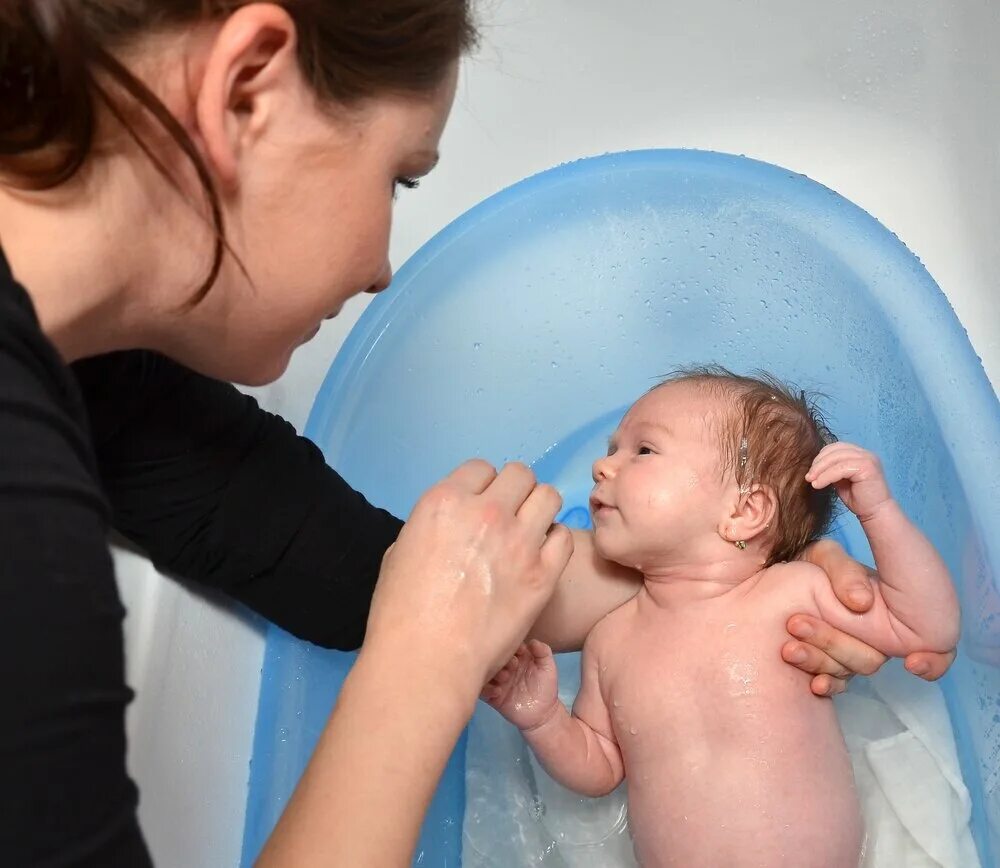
{"x":741,"y":544}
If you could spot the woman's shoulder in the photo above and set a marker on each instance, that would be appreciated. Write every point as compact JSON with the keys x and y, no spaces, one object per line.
{"x":43,"y":427}
{"x":25,"y":353}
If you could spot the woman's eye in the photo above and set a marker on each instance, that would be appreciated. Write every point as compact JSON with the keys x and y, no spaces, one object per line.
{"x":408,"y":183}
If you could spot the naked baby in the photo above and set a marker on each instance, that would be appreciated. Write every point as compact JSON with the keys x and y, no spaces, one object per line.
{"x":712,"y":485}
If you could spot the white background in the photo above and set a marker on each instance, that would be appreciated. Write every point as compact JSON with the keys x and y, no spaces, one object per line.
{"x":896,"y":107}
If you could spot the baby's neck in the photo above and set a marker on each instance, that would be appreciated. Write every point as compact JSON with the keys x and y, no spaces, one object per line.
{"x":680,"y":583}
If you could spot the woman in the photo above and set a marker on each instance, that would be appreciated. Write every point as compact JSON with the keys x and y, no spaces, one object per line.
{"x":188,"y":189}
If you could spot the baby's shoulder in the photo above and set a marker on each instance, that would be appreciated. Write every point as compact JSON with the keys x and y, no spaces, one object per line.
{"x":613,"y":627}
{"x":791,"y":582}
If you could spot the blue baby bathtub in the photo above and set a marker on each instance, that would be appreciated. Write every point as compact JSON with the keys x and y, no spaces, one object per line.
{"x":523,"y":329}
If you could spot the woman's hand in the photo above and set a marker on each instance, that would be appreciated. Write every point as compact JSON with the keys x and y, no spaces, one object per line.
{"x":474,"y":565}
{"x":457,"y":593}
{"x":832,"y":656}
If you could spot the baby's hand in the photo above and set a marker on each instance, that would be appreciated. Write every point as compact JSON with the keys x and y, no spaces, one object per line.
{"x":855,"y":473}
{"x":526,"y":690}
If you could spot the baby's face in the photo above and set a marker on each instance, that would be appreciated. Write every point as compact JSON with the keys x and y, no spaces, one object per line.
{"x":659,"y":489}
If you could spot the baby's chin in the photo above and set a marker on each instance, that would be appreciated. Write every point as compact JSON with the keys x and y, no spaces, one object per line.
{"x":606,"y":548}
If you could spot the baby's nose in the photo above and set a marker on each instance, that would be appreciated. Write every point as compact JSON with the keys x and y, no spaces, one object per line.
{"x":601,"y":469}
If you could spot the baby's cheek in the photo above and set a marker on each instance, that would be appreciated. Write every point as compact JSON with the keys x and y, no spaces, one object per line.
{"x":667,"y":499}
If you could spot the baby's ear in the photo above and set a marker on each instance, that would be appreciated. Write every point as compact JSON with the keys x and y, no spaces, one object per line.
{"x":752,"y":515}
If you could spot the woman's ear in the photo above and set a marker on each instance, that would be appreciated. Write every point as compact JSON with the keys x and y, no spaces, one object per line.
{"x":250,"y":70}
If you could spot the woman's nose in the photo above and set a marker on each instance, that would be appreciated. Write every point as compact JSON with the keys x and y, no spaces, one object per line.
{"x":383,"y":280}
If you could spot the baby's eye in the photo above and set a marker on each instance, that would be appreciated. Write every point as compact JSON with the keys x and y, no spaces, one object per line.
{"x":645,"y":450}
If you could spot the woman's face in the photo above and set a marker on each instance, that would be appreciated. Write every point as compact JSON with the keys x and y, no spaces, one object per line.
{"x":309,"y":221}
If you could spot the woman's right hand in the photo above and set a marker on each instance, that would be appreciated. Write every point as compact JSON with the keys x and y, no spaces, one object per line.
{"x":456,"y":595}
{"x":472,"y":568}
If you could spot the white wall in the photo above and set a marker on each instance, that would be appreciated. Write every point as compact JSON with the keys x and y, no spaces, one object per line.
{"x":897,"y":108}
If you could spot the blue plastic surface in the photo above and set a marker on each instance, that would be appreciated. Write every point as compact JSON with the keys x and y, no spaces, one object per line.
{"x":522,"y":331}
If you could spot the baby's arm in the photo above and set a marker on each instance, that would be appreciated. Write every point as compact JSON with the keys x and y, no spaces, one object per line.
{"x":589,"y":588}
{"x":915,"y":608}
{"x":578,"y":750}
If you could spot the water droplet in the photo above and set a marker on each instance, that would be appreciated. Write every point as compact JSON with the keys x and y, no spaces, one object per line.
{"x":633,"y":730}
{"x":476,"y":345}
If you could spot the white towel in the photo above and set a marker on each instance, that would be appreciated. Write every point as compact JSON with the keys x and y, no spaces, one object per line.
{"x":916,"y":807}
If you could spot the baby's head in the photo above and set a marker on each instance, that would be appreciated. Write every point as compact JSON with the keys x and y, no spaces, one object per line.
{"x":705,"y":462}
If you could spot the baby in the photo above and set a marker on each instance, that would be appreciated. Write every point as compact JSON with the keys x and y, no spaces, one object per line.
{"x":712,"y":485}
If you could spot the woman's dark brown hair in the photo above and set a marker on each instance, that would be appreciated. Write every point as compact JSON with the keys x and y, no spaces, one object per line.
{"x":58,"y":63}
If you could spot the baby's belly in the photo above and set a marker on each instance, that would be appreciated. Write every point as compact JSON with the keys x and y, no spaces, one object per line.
{"x":739,"y":767}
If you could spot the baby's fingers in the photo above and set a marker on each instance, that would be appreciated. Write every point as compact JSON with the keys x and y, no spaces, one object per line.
{"x":832,"y":448}
{"x":490,"y":693}
{"x":541,"y":653}
{"x":828,"y":453}
{"x":839,"y":471}
{"x":825,"y":460}
{"x":503,"y":676}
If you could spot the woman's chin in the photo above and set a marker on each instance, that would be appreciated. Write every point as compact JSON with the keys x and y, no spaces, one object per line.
{"x":262,"y":372}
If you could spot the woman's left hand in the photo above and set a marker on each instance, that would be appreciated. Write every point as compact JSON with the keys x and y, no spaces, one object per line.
{"x":831,"y":655}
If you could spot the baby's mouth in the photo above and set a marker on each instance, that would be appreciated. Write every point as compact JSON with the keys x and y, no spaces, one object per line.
{"x":598,"y":506}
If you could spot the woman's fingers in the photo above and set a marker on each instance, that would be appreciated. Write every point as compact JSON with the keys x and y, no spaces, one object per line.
{"x":827,"y":685}
{"x":850,"y":579}
{"x":823,"y":649}
{"x":929,"y":665}
{"x":556,"y":551}
{"x":473,"y":476}
{"x":812,"y":660}
{"x":539,"y":510}
{"x":512,"y":486}
{"x":473,"y":567}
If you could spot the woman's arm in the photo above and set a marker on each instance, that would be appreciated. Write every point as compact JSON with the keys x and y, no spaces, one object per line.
{"x":366,"y":789}
{"x":469,"y":574}
{"x":66,"y":796}
{"x":220,"y":492}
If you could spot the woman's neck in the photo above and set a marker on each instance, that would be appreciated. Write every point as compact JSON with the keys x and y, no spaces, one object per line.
{"x":83,"y":256}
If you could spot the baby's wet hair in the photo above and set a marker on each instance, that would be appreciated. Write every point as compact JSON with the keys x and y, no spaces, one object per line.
{"x":771,"y":437}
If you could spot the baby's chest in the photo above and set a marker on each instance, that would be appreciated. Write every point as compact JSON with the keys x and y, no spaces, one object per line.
{"x":705,"y":672}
